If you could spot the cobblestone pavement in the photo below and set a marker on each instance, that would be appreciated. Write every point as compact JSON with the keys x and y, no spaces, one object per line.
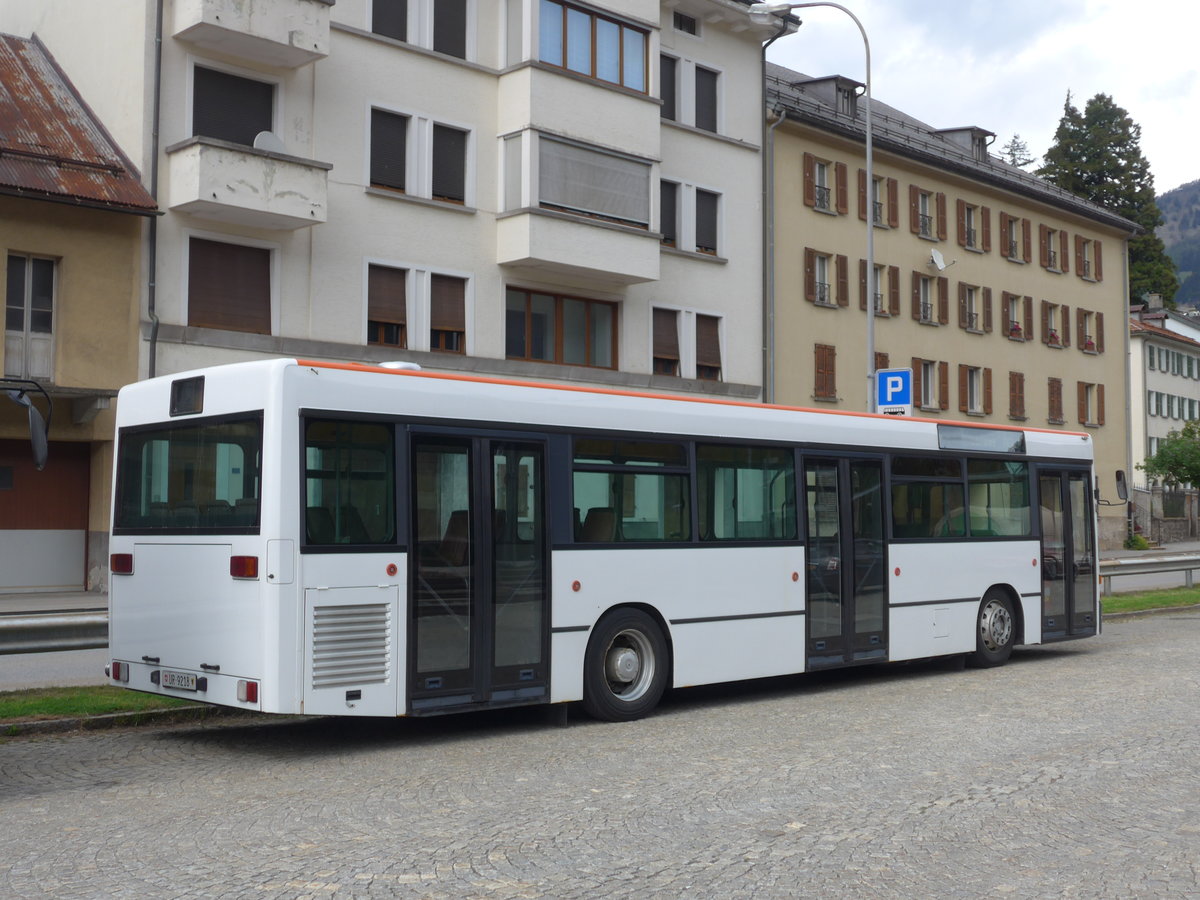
{"x":1071,"y":772}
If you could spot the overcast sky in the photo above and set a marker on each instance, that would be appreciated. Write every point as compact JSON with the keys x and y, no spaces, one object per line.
{"x":1006,"y":66}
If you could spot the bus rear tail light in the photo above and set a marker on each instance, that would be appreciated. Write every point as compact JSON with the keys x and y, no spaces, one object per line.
{"x":121,"y":563}
{"x":247,"y":691}
{"x":243,"y":566}
{"x":120,"y":671}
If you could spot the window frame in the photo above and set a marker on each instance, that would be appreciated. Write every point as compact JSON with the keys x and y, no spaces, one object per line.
{"x":560,"y":300}
{"x":273,"y":274}
{"x":545,"y":7}
{"x":228,"y":71}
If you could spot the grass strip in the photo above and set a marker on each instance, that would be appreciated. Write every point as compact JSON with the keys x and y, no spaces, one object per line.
{"x":1140,"y":601}
{"x":78,"y":702}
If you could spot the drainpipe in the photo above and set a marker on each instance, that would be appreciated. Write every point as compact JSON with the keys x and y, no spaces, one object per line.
{"x":768,"y":224}
{"x":152,"y":248}
{"x":1128,"y":388}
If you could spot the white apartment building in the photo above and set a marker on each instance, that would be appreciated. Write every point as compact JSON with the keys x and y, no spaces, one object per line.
{"x":1164,"y":371}
{"x":520,"y":188}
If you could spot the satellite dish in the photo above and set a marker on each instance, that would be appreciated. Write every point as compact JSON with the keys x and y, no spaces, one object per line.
{"x":269,"y":140}
{"x":936,"y":259}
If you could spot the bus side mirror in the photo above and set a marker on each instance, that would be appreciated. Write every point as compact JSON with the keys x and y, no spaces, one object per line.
{"x":37,"y":425}
{"x":1122,"y":487}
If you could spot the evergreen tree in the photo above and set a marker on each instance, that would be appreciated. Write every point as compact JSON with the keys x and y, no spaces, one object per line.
{"x":1016,"y":152}
{"x":1097,"y":155}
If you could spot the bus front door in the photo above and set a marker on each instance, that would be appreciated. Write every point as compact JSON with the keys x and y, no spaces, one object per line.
{"x":1068,"y":554}
{"x":478,"y":622}
{"x":846,"y":562}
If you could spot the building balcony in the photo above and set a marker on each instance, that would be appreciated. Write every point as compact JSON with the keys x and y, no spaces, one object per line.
{"x":241,"y":185}
{"x":283,"y":33}
{"x":563,"y":245}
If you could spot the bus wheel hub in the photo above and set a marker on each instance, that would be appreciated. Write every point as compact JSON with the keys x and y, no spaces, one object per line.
{"x":623,"y":665}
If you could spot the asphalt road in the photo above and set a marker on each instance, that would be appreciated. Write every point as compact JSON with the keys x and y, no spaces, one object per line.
{"x":1071,"y":772}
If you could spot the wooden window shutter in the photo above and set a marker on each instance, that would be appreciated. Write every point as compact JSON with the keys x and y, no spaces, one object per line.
{"x":666,"y":334}
{"x":914,"y":209}
{"x":893,"y":290}
{"x":985,"y":228}
{"x":708,"y":341}
{"x":960,"y":214}
{"x":1043,"y":246}
{"x":944,"y":385}
{"x":941,"y":215}
{"x":916,"y":295}
{"x":987,"y":392}
{"x":1065,"y":333}
{"x":863,"y":289}
{"x":987,"y":310}
{"x":962,"y":305}
{"x":810,"y":181}
{"x":1099,"y":332}
{"x":943,"y":299}
{"x":1028,"y":318}
{"x":1099,"y":404}
{"x":964,"y":399}
{"x":826,"y":374}
{"x":1016,"y":395}
{"x":893,"y":202}
{"x":1098,"y":274}
{"x":862,"y":194}
{"x":229,"y":286}
{"x":1045,"y":321}
{"x":1064,"y":250}
{"x":1081,"y":387}
{"x":1054,"y":388}
{"x":1080,"y":326}
{"x":1026,"y":240}
{"x":841,"y":196}
{"x":1004,"y":243}
{"x":881,"y":361}
{"x":810,"y":274}
{"x":447,"y":303}
{"x":1079,"y":255}
{"x":841,"y":267}
{"x":916,"y":380}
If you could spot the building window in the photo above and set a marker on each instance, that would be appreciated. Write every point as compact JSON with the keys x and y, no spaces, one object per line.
{"x":230,"y":107}
{"x":1016,"y":395}
{"x":668,"y":87}
{"x":447,"y":314}
{"x":1091,"y":403}
{"x":387,"y":306}
{"x":389,"y":148}
{"x":706,"y":99}
{"x":927,"y":213}
{"x":666,"y":342}
{"x":390,"y":18}
{"x":708,"y":348}
{"x":825,"y":383}
{"x":707,"y":208}
{"x":975,"y":390}
{"x":450,"y":27}
{"x":923,"y":302}
{"x":1054,"y":386}
{"x":669,"y":213}
{"x":818,"y":273}
{"x":449,"y":164}
{"x":29,"y":317}
{"x":1089,"y":334}
{"x":1018,"y":316}
{"x":565,"y":330}
{"x":592,"y":45}
{"x":1087,"y":259}
{"x":931,"y":383}
{"x":973,"y":231}
{"x":1052,"y":249}
{"x":1056,"y":324}
{"x":971,"y":314}
{"x":1015,"y":238}
{"x":821,"y":186}
{"x":229,"y":286}
{"x":822,"y":192}
{"x":578,"y":179}
{"x":686,"y":24}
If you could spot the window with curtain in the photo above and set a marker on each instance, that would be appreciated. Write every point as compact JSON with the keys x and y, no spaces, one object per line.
{"x":592,"y":45}
{"x":567,"y":330}
{"x":588,"y":181}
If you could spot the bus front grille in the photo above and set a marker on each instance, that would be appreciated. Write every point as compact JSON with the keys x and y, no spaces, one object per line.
{"x":350,"y":644}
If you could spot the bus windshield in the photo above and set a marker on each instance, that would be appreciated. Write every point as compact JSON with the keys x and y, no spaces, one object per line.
{"x":198,"y":477}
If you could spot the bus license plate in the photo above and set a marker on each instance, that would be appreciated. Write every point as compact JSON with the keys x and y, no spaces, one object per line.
{"x":180,"y":681}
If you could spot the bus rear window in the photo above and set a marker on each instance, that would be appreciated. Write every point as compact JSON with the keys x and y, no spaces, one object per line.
{"x":202,"y":477}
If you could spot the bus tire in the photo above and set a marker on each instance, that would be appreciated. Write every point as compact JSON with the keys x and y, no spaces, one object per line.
{"x":996,"y":631}
{"x":625,"y":669}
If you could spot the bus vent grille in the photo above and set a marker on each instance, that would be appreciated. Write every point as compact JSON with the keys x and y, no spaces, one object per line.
{"x":351,"y":644}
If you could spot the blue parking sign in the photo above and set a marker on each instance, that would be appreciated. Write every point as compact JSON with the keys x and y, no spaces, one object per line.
{"x":893,"y":392}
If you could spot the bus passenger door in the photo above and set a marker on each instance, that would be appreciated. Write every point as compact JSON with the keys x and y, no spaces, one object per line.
{"x":1068,"y":554}
{"x":846,"y":562}
{"x":478,"y":621}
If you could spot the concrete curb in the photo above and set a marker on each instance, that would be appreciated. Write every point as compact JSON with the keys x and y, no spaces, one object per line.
{"x":1139,"y":613}
{"x":197,"y":713}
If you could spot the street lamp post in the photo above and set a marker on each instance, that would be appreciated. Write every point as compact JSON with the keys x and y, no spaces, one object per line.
{"x":763,"y":13}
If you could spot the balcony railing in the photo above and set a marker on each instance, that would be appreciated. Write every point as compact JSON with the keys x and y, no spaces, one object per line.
{"x":926,"y":225}
{"x":926,"y":312}
{"x":821,"y":197}
{"x":823,"y":293}
{"x":285,"y":33}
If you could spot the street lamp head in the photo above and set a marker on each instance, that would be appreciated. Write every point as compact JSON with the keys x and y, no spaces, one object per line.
{"x":764,"y":13}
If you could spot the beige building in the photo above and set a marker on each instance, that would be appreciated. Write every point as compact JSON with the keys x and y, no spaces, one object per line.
{"x":71,"y":222}
{"x":993,"y":286}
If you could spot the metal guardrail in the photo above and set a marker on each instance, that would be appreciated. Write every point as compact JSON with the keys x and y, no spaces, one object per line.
{"x":1152,"y":565}
{"x":45,"y":632}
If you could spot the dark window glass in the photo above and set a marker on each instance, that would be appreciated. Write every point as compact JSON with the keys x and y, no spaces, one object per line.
{"x":668,"y":86}
{"x":746,"y":493}
{"x":623,"y":491}
{"x":551,"y":328}
{"x":928,"y":509}
{"x":229,"y":107}
{"x":389,"y":136}
{"x":349,"y":483}
{"x":450,"y":27}
{"x":390,"y":18}
{"x":669,"y":212}
{"x":449,"y":163}
{"x":706,"y":221}
{"x":706,"y":99}
{"x":926,"y":467}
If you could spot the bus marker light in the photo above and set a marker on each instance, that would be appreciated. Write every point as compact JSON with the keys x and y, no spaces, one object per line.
{"x":120,"y":672}
{"x":1034,"y":562}
{"x":897,"y":571}
{"x":121,"y":563}
{"x":795,"y":576}
{"x":392,"y":569}
{"x":247,"y":691}
{"x":243,"y":566}
{"x":576,"y":586}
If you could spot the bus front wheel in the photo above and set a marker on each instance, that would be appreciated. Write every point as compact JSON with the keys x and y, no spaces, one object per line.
{"x":625,"y":671}
{"x":996,"y":632}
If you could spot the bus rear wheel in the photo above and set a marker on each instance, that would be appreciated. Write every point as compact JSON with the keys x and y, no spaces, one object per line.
{"x":996,"y":632}
{"x":625,"y":670}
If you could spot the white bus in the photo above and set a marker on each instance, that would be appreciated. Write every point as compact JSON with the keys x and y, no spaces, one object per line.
{"x":317,"y":538}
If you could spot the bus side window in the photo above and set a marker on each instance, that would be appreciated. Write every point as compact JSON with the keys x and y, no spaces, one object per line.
{"x":349,"y":483}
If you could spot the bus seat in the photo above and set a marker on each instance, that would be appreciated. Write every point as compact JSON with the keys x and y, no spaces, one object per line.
{"x":456,"y":542}
{"x":245,"y":510}
{"x":185,"y":514}
{"x":318,"y":525}
{"x":600,"y":525}
{"x":353,"y":531}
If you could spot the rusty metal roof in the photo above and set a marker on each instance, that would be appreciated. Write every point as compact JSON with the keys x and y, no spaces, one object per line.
{"x":52,"y":147}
